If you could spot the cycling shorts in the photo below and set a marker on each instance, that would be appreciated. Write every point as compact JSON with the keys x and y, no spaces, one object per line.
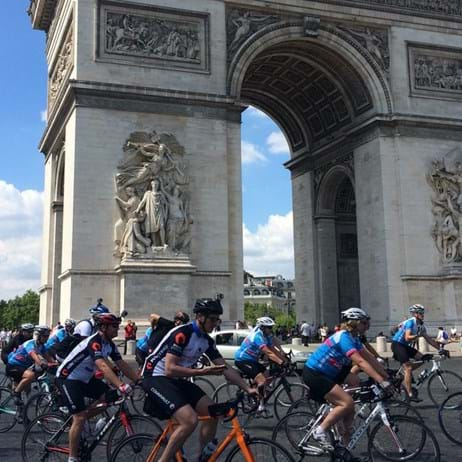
{"x":320,"y":384}
{"x":15,"y":372}
{"x":74,"y":392}
{"x":250,"y":368}
{"x":402,"y":353}
{"x":166,"y":395}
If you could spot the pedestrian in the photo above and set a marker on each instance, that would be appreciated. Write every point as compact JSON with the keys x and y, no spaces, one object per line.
{"x":323,"y":332}
{"x":454,"y":333}
{"x":442,"y":338}
{"x":130,"y":333}
{"x":305,"y":330}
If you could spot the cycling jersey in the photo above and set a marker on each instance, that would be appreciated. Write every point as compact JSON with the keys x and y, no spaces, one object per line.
{"x":85,"y":328}
{"x":142,"y":343}
{"x":410,"y":324}
{"x":250,"y":349}
{"x":58,"y":337}
{"x":334,"y":354}
{"x":80,"y":363}
{"x":22,"y":356}
{"x":187,"y":342}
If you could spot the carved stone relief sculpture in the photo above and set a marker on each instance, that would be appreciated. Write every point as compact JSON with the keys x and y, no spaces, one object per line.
{"x":152,"y":198}
{"x":375,"y":41}
{"x":445,"y":179}
{"x":62,"y":68}
{"x":153,"y":37}
{"x":241,"y":24}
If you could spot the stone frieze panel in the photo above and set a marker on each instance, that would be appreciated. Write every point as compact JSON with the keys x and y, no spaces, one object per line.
{"x":153,"y":37}
{"x":435,"y":72}
{"x":62,"y":68}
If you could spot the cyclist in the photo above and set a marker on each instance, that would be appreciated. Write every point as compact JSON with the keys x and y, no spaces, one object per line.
{"x":160,"y":326}
{"x":87,"y":327}
{"x":165,"y":370}
{"x":259,"y":342}
{"x":28,"y":361}
{"x":401,"y":345}
{"x":25,"y":333}
{"x":75,"y":376}
{"x":53,"y":344}
{"x":329,"y":366}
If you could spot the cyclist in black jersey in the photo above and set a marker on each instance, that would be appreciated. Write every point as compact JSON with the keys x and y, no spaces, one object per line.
{"x":169,"y":394}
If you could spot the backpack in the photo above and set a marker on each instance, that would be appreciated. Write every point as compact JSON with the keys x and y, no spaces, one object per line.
{"x":445,"y":335}
{"x":63,"y":348}
{"x":11,"y":346}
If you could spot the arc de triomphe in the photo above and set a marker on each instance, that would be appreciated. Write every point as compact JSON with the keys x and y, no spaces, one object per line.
{"x":142,"y":151}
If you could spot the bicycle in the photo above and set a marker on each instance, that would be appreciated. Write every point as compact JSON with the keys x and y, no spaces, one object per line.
{"x":395,"y":438}
{"x":450,"y":417}
{"x":10,"y":412}
{"x":285,"y":393}
{"x":145,"y":448}
{"x":46,"y":436}
{"x":441,"y":382}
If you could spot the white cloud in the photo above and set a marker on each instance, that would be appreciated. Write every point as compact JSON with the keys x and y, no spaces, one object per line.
{"x":251,"y":153}
{"x":270,"y":250}
{"x":277,"y":143}
{"x":254,"y":112}
{"x":20,"y":240}
{"x":43,"y":115}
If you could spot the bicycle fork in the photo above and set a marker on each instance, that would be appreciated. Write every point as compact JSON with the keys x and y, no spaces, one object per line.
{"x":392,"y":429}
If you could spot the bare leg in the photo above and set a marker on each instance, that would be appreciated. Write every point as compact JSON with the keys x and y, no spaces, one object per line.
{"x":208,"y":428}
{"x":344,"y":408}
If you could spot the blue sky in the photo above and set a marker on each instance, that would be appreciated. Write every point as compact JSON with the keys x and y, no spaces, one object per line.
{"x":267,"y":221}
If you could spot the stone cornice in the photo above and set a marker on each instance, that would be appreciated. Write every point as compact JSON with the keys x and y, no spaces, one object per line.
{"x":79,"y":93}
{"x":41,"y":13}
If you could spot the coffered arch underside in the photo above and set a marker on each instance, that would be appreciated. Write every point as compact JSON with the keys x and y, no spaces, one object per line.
{"x":313,"y":87}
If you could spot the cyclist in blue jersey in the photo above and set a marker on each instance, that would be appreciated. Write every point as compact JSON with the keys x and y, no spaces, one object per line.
{"x":52,"y":345}
{"x":258,"y":343}
{"x":330,"y":365}
{"x":28,"y":361}
{"x":401,"y":346}
{"x":142,"y":349}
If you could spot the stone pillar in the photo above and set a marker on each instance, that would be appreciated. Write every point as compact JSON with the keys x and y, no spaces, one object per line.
{"x":57,"y":233}
{"x":327,"y":263}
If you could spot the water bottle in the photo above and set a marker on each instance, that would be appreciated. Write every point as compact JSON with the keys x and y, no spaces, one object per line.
{"x":208,"y":450}
{"x":100,"y":424}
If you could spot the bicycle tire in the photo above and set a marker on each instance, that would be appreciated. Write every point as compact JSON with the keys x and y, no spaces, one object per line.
{"x":383,"y":442}
{"x":137,"y":399}
{"x":290,"y":431}
{"x":225,"y":392}
{"x":437,"y":392}
{"x":262,"y":450}
{"x":284,"y":397}
{"x":135,"y":448}
{"x":37,"y":435}
{"x":304,"y":404}
{"x":8,"y":410}
{"x":206,"y":385}
{"x":450,"y":416}
{"x":39,"y":404}
{"x":5,"y":380}
{"x":139,"y":423}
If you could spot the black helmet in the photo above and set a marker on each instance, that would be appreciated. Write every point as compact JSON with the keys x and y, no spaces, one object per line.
{"x":208,"y":306}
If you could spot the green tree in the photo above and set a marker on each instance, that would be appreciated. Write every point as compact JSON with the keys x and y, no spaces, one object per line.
{"x":19,"y":310}
{"x":252,"y":311}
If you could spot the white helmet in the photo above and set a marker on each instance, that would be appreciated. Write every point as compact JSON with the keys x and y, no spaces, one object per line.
{"x":265,"y":321}
{"x":354,"y":313}
{"x":416,"y":308}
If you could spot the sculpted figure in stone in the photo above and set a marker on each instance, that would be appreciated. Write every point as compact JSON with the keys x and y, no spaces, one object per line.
{"x":128,"y":236}
{"x":155,"y":207}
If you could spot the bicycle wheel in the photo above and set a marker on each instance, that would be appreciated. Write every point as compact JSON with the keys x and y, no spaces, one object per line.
{"x":291,"y":430}
{"x":39,"y":404}
{"x":450,"y":418}
{"x":8,"y":410}
{"x":138,"y":423}
{"x":287,"y":395}
{"x":304,"y":405}
{"x":5,"y":381}
{"x":135,"y":448}
{"x":207,"y":386}
{"x":441,"y":384}
{"x":227,"y":391}
{"x":40,"y":441}
{"x":137,"y":399}
{"x":406,"y":439}
{"x":262,"y":450}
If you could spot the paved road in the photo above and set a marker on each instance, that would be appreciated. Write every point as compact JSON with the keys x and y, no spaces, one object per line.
{"x":10,"y":442}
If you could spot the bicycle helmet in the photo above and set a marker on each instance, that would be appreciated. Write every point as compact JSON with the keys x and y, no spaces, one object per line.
{"x":27,"y":327}
{"x":416,"y":308}
{"x":99,"y":308}
{"x":181,"y":316}
{"x":107,"y":318}
{"x":265,"y":321}
{"x":42,"y":330}
{"x":354,"y":314}
{"x":70,"y":323}
{"x":208,"y":306}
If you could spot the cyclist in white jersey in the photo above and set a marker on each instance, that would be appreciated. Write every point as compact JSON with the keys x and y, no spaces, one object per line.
{"x":75,"y":377}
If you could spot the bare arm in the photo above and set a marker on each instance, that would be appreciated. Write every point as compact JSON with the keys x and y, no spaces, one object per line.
{"x":109,"y":374}
{"x":173,"y":369}
{"x":272,"y":355}
{"x":372,"y":360}
{"x":233,"y":376}
{"x":364,"y":364}
{"x":432,"y":342}
{"x":409,"y":337}
{"x":127,"y":370}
